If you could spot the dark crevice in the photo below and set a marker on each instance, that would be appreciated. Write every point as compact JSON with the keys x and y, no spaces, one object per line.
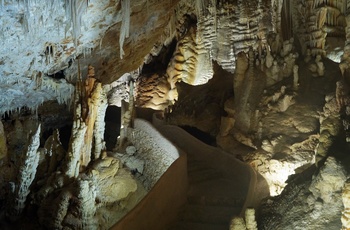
{"x":159,"y":63}
{"x":112,"y":126}
{"x":65,"y":134}
{"x":57,"y":75}
{"x":200,"y":135}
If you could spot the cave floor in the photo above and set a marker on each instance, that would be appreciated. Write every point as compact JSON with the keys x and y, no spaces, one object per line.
{"x":218,"y":183}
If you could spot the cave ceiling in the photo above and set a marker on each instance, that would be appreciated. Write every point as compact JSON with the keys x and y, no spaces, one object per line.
{"x":46,"y":47}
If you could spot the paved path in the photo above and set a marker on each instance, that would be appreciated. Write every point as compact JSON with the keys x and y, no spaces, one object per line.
{"x":220,"y":186}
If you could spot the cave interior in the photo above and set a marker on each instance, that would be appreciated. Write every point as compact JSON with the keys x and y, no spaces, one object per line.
{"x":175,"y":114}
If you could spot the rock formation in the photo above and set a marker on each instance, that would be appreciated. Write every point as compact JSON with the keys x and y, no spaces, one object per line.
{"x":3,"y":146}
{"x":312,"y":202}
{"x":20,"y":188}
{"x":345,"y":197}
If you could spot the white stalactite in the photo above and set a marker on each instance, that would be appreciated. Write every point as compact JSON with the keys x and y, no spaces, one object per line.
{"x":125,"y":25}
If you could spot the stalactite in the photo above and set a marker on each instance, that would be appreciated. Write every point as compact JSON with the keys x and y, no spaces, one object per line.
{"x":200,"y":6}
{"x":125,"y":25}
{"x":74,"y":10}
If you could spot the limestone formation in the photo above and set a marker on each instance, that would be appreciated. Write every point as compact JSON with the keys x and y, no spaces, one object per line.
{"x":127,"y":118}
{"x":287,"y":47}
{"x":155,"y":92}
{"x":238,"y":223}
{"x":269,"y":59}
{"x":191,"y":63}
{"x":342,"y":94}
{"x":246,"y":223}
{"x":3,"y":146}
{"x":112,"y":182}
{"x":54,"y":153}
{"x":295,"y":77}
{"x":319,"y":209}
{"x":345,"y":218}
{"x":309,"y":21}
{"x":250,"y":219}
{"x":330,"y":180}
{"x":247,"y":100}
{"x":20,"y":188}
{"x":329,"y":126}
{"x":90,"y":106}
{"x":72,"y":161}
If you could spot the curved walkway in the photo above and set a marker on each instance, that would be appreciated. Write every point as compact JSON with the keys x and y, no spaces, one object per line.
{"x":220,"y":186}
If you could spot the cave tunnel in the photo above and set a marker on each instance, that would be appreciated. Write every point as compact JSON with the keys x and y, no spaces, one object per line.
{"x":112,"y":126}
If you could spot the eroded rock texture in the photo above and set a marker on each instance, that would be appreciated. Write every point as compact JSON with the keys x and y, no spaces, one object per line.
{"x":310,"y":201}
{"x":20,"y":188}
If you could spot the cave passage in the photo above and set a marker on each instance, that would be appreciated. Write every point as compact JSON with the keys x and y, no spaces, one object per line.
{"x":200,"y":135}
{"x":112,"y":126}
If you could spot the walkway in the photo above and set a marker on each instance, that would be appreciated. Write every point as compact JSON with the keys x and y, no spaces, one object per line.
{"x":220,"y":186}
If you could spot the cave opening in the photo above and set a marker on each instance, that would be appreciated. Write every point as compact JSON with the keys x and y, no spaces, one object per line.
{"x":112,"y":126}
{"x":58,"y":75}
{"x":159,"y":60}
{"x":65,"y":135}
{"x":200,"y":135}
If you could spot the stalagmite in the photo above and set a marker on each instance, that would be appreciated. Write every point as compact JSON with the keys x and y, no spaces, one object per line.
{"x":86,"y":195}
{"x":88,"y":101}
{"x":307,"y":56}
{"x":238,"y":223}
{"x":126,"y":117}
{"x":241,"y":68}
{"x":275,"y":72}
{"x":72,"y":165}
{"x":26,"y":174}
{"x":246,"y":223}
{"x":53,"y":148}
{"x":287,"y":47}
{"x":3,"y":146}
{"x":276,"y":44}
{"x":341,"y":93}
{"x":99,"y":128}
{"x":295,"y":77}
{"x":249,"y":95}
{"x":345,"y":218}
{"x":250,"y":219}
{"x":320,"y":65}
{"x":92,"y":100}
{"x":269,"y":59}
